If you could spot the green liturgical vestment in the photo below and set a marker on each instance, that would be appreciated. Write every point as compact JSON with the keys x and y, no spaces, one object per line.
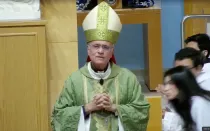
{"x":124,"y":91}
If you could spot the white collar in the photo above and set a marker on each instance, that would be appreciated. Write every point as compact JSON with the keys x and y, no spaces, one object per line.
{"x":206,"y":67}
{"x":205,"y":73}
{"x":99,"y":75}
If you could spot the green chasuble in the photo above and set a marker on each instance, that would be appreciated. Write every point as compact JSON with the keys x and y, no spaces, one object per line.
{"x":124,"y":91}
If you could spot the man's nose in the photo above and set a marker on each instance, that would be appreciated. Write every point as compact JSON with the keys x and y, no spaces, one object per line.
{"x":101,"y":50}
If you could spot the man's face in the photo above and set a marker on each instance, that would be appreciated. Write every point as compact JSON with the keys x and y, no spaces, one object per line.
{"x":100,"y":52}
{"x":189,"y":64}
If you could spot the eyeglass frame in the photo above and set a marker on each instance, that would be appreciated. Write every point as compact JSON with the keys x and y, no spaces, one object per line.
{"x":98,"y":46}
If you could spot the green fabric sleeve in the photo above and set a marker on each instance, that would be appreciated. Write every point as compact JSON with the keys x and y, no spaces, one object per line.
{"x":135,"y":114}
{"x":66,"y":115}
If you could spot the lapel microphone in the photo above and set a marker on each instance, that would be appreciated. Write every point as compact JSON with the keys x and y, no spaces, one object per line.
{"x":101,"y":81}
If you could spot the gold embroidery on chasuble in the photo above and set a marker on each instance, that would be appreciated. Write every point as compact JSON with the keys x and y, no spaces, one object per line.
{"x":101,"y":120}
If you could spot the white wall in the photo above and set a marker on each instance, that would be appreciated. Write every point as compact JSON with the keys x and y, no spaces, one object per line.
{"x":208,"y":28}
{"x":19,"y":9}
{"x":158,"y":3}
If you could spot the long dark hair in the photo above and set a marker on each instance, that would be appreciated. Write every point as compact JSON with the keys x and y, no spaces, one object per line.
{"x":187,"y":85}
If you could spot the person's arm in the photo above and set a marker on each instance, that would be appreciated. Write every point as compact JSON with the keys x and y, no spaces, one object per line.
{"x":66,"y":114}
{"x":135,"y":114}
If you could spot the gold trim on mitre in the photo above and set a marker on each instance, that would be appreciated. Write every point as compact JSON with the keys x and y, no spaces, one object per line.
{"x":102,"y":23}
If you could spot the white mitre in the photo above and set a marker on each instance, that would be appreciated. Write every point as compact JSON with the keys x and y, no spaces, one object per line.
{"x":102,"y":23}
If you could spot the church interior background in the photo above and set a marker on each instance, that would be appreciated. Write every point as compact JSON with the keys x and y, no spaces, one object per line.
{"x":42,"y":42}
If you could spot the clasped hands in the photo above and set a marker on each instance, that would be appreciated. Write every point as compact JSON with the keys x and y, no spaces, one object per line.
{"x":100,"y":102}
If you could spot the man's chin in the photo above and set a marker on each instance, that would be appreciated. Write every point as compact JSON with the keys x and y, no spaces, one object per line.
{"x":100,"y":62}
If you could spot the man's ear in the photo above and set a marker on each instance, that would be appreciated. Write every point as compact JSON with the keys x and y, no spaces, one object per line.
{"x":88,"y":49}
{"x":205,"y":52}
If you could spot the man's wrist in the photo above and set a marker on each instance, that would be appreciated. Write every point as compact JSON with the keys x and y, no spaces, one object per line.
{"x":86,"y":115}
{"x":87,"y":109}
{"x":114,"y":108}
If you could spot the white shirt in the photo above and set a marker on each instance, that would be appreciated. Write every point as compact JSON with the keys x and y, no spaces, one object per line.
{"x":203,"y":78}
{"x":172,"y":121}
{"x":99,"y":75}
{"x":200,"y":112}
{"x":206,"y":67}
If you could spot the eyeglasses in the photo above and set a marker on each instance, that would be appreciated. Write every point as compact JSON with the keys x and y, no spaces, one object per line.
{"x":104,"y":47}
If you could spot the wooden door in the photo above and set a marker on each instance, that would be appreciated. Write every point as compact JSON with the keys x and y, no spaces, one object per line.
{"x":196,"y":25}
{"x":23,"y":82}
